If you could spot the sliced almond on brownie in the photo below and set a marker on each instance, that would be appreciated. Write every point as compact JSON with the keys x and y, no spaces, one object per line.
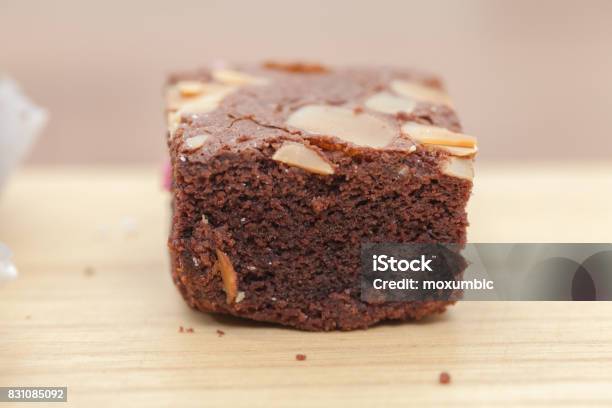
{"x":228,"y":275}
{"x":195,"y":142}
{"x":193,"y":96}
{"x":437,"y":135}
{"x":361,"y":129}
{"x":386,"y":102}
{"x":190,"y":88}
{"x":458,"y":167}
{"x":231,"y":77}
{"x":298,"y":155}
{"x":206,"y":102}
{"x":458,"y":151}
{"x":421,"y":92}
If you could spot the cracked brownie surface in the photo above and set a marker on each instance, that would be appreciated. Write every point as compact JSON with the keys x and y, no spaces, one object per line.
{"x":281,"y":171}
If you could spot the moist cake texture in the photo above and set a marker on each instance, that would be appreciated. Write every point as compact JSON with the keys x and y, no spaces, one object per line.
{"x":281,"y":171}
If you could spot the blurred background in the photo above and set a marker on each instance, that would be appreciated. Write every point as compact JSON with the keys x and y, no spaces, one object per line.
{"x":531,"y":79}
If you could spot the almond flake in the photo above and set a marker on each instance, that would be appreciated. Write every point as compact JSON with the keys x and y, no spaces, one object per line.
{"x":296,"y":154}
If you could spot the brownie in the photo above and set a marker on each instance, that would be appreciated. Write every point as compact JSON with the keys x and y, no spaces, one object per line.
{"x":281,"y":171}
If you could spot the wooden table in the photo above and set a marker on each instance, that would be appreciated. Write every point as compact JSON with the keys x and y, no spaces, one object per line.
{"x":94,"y":309}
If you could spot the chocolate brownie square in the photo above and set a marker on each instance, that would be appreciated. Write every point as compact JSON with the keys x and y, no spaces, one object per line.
{"x":281,"y":172}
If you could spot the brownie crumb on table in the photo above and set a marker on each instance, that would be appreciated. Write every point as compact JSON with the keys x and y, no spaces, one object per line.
{"x":300,"y":357}
{"x":185,"y":329}
{"x":444,"y":378}
{"x":89,"y":271}
{"x":220,"y":333}
{"x":281,"y":171}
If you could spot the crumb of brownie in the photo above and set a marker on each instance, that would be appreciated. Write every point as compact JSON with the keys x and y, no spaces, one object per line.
{"x":181,"y":329}
{"x":189,"y":330}
{"x":357,"y":110}
{"x":220,"y":333}
{"x":89,"y":271}
{"x":296,"y":67}
{"x":28,"y":317}
{"x":300,"y":357}
{"x":444,"y":378}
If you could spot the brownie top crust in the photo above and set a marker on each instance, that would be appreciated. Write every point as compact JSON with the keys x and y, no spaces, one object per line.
{"x":237,"y":107}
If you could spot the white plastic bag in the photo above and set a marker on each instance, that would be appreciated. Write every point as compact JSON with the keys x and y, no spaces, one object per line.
{"x":8,"y":271}
{"x":20,"y":123}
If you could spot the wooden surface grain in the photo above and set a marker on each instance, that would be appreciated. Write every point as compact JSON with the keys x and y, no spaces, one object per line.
{"x":94,"y":309}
